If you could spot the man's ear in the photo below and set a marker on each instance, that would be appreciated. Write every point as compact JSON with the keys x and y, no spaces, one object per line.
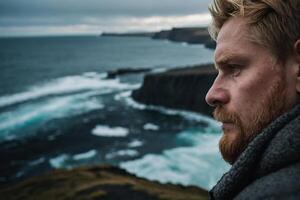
{"x":297,"y":54}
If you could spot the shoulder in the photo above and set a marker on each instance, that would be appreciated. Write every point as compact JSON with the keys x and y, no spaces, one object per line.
{"x":282,"y":184}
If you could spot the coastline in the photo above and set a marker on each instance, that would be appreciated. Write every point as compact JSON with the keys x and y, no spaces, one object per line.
{"x":189,"y":35}
{"x":181,"y":88}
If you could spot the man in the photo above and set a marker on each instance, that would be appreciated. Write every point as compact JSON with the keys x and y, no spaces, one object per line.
{"x":256,"y":96}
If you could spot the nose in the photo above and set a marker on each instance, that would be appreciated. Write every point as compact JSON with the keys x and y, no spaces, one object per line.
{"x":217,"y":95}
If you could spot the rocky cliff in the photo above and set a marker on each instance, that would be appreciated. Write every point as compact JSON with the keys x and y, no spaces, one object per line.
{"x":137,"y":34}
{"x":197,"y":35}
{"x":178,"y":88}
{"x":99,"y":182}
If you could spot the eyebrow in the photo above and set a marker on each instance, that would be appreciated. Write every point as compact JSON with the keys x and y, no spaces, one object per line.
{"x":227,"y":57}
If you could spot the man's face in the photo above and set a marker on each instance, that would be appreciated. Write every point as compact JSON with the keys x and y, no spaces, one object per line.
{"x":250,"y":90}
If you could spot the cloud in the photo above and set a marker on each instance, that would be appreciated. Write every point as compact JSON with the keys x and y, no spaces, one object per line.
{"x":101,"y":7}
{"x":92,"y":25}
{"x":40,"y":17}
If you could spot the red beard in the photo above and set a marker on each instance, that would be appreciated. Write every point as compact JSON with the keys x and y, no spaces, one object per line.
{"x":269,"y":107}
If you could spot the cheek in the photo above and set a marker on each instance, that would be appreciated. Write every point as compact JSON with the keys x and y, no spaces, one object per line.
{"x":257,"y":82}
{"x":248,"y":96}
{"x":254,"y":85}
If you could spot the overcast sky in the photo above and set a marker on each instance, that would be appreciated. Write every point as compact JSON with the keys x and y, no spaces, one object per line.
{"x":48,"y":17}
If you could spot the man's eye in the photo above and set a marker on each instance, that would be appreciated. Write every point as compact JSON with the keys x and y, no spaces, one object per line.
{"x":234,"y":69}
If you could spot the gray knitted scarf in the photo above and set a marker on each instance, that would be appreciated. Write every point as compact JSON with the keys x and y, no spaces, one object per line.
{"x":277,"y":146}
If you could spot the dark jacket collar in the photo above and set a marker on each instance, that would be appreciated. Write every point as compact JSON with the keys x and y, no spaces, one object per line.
{"x":275,"y":147}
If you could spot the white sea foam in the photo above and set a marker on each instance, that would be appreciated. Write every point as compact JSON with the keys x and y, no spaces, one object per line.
{"x":135,"y":143}
{"x":29,"y":167}
{"x":150,"y":126}
{"x":58,"y":162}
{"x":76,"y":96}
{"x":160,"y":70}
{"x":85,"y":155}
{"x":54,"y":108}
{"x":168,"y":111}
{"x":37,"y":161}
{"x":121,"y":153}
{"x":20,"y":174}
{"x":126,"y":96}
{"x":95,"y":75}
{"x":66,"y":85}
{"x":184,"y":43}
{"x":199,"y":164}
{"x":106,"y":131}
{"x":122,"y":95}
{"x":70,"y":161}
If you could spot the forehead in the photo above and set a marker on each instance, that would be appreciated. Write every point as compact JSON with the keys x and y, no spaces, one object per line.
{"x":233,"y":40}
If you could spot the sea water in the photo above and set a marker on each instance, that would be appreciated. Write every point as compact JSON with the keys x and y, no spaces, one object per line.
{"x":58,"y":110}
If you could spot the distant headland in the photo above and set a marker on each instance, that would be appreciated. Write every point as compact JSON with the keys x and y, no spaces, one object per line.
{"x":190,"y":35}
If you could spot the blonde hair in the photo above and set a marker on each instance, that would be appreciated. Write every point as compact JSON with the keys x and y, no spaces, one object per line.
{"x":274,"y":24}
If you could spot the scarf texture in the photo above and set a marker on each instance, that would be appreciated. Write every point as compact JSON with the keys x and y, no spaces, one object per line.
{"x":269,"y":159}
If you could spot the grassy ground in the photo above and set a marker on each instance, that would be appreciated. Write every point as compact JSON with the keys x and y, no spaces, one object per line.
{"x":100,"y":182}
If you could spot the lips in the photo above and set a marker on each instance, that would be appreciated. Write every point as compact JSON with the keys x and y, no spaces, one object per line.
{"x":227,"y":126}
{"x":228,"y":120}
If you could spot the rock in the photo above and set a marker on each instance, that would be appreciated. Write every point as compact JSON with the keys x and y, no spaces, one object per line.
{"x":138,"y":34}
{"x":124,"y":71}
{"x":178,"y":88}
{"x":98,"y":182}
{"x":162,"y":35}
{"x":198,"y":35}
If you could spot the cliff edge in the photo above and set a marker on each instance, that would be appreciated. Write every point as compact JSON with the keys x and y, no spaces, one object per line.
{"x":184,"y":88}
{"x":99,"y":182}
{"x":197,"y":35}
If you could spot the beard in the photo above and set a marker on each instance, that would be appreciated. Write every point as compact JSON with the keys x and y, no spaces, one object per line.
{"x":267,"y":109}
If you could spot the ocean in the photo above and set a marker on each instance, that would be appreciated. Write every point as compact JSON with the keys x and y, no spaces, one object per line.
{"x":58,"y":110}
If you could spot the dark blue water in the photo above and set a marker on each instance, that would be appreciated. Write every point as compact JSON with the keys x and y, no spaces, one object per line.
{"x":27,"y":61}
{"x":57,"y":110}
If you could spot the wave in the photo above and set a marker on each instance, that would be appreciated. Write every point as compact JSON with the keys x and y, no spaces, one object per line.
{"x":58,"y":162}
{"x":150,"y":126}
{"x":200,"y":164}
{"x":37,"y":161}
{"x":122,"y":153}
{"x":70,"y":161}
{"x":29,"y":167}
{"x":135,"y":143}
{"x":106,"y":131}
{"x":66,"y":85}
{"x":36,"y":113}
{"x":184,"y":44}
{"x":66,"y":96}
{"x":193,"y":116}
{"x":85,"y":155}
